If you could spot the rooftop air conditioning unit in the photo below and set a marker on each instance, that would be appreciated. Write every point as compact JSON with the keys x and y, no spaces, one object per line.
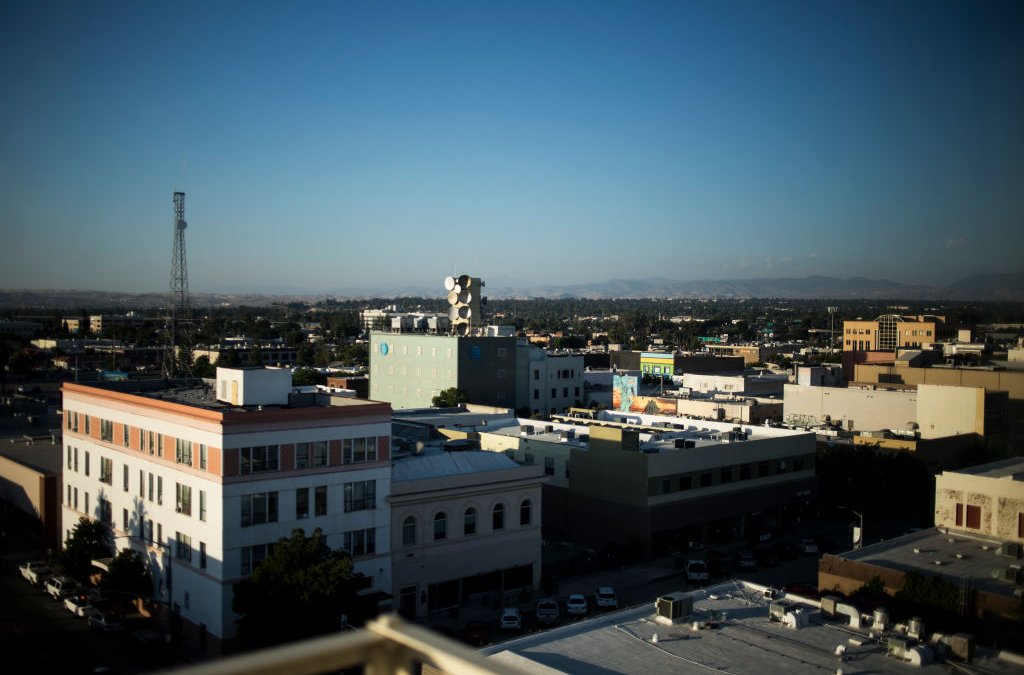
{"x":1011,"y":573}
{"x":673,"y":608}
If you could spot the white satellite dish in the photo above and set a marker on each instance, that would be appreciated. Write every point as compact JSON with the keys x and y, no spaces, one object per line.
{"x":449,"y":283}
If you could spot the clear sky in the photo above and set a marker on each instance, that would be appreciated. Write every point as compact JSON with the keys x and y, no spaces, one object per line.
{"x":324,"y":146}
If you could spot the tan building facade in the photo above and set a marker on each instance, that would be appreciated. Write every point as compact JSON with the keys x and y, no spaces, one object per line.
{"x":986,"y":500}
{"x":891,"y":332}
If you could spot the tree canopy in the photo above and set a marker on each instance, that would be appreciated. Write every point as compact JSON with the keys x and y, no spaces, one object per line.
{"x":449,"y":398}
{"x":89,"y":540}
{"x":301,"y":589}
{"x":128,"y":574}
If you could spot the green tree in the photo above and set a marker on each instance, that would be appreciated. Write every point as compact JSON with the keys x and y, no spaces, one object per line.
{"x":303,"y":582}
{"x":203,"y":368}
{"x":449,"y":398}
{"x":89,"y":540}
{"x":307,"y":376}
{"x":128,"y":574}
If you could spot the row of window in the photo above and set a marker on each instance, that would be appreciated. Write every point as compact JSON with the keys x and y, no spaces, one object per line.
{"x":356,"y":542}
{"x":724,"y":475}
{"x":554,"y":393}
{"x":260,"y":458}
{"x":262,"y":507}
{"x":155,"y":483}
{"x":410,"y":525}
{"x":148,"y":440}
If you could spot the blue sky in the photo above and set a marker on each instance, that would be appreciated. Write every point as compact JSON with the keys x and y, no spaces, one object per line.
{"x":326,"y":146}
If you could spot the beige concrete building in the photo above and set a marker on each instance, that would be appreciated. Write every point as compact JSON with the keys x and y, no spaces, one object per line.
{"x":933,"y":411}
{"x":987,"y":500}
{"x":466,"y":527}
{"x":659,"y":482}
{"x":890,"y":332}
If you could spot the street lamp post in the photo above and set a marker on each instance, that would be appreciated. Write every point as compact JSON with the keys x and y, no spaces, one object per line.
{"x":858,"y":540}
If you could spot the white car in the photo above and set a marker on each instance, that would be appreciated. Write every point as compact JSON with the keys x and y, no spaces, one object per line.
{"x":78,"y":605}
{"x":61,"y":587}
{"x":604,"y":596}
{"x":547,"y":611}
{"x":809,"y":546}
{"x":510,"y":619}
{"x":35,"y":571}
{"x":697,"y":572}
{"x":576,"y":605}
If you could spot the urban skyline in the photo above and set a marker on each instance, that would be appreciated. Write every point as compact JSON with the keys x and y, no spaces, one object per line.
{"x":331,"y":146}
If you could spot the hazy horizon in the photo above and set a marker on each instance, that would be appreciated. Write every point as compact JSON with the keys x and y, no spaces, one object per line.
{"x":346,"y":145}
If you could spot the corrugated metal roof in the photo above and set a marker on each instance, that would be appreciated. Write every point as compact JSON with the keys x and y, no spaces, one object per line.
{"x":440,"y":463}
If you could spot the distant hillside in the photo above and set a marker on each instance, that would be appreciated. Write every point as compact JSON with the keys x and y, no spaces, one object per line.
{"x":987,"y":287}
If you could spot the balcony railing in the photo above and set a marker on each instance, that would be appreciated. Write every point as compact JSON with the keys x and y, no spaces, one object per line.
{"x":386,"y":646}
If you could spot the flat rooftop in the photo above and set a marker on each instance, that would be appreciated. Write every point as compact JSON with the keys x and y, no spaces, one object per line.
{"x":952,"y":555}
{"x":200,"y":394}
{"x":1011,"y":468}
{"x":434,"y":462}
{"x":737,"y":637}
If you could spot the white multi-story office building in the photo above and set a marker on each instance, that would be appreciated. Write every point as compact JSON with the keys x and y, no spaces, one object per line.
{"x":205,"y":482}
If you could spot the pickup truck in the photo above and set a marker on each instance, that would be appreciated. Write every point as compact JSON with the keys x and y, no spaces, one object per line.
{"x":35,"y":571}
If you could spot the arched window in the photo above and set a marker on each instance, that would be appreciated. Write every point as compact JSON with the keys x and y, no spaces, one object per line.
{"x":440,"y":525}
{"x":409,"y":531}
{"x":525,"y":509}
{"x":498,"y":517}
{"x":469,"y":522}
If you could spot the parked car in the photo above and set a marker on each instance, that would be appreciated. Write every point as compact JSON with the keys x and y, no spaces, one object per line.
{"x":476,"y":633}
{"x":35,"y":571}
{"x":697,"y":572}
{"x":510,"y":619}
{"x":105,"y":622}
{"x":745,"y":560}
{"x":78,"y":605}
{"x":61,"y":587}
{"x":547,"y":611}
{"x":576,"y":605}
{"x":803,"y":590}
{"x":605,"y":596}
{"x":809,"y":547}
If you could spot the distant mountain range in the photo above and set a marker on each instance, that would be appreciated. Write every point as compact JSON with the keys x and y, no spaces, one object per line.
{"x":985,"y":287}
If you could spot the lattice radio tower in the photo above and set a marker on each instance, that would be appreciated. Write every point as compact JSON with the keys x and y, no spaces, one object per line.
{"x":178,"y":356}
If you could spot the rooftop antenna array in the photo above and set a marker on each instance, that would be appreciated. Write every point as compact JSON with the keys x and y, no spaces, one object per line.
{"x":465,"y":301}
{"x":178,"y":355}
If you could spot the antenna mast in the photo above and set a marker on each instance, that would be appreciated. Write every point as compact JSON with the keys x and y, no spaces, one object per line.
{"x":178,"y":356}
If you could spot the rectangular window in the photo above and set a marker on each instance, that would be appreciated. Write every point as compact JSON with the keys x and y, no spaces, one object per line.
{"x":549,"y":466}
{"x":76,"y":459}
{"x":159,"y":533}
{"x":536,"y":394}
{"x":320,"y":453}
{"x":744,"y":472}
{"x":106,"y":512}
{"x":86,"y":426}
{"x":301,"y":503}
{"x":258,"y":459}
{"x":151,"y":443}
{"x":76,"y":499}
{"x":69,"y":496}
{"x":554,"y":392}
{"x":124,"y":477}
{"x":202,"y":456}
{"x":358,"y":450}
{"x":86,"y":496}
{"x":106,"y":471}
{"x":86,"y":462}
{"x":959,"y":515}
{"x":142,"y":440}
{"x":183,"y":451}
{"x":182,"y":547}
{"x":148,"y":534}
{"x":725,"y":475}
{"x":68,"y":454}
{"x":320,"y":500}
{"x":360,"y":496}
{"x":124,"y":435}
{"x":973,"y":517}
{"x":705,"y":479}
{"x":124,"y":520}
{"x":159,"y":489}
{"x":763,"y":469}
{"x":160,"y":444}
{"x":183,"y":499}
{"x":107,"y":431}
{"x":142,"y":483}
{"x":202,"y":555}
{"x":252,"y":556}
{"x":259,"y":508}
{"x":202,"y":505}
{"x":302,"y":455}
{"x":360,"y":542}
